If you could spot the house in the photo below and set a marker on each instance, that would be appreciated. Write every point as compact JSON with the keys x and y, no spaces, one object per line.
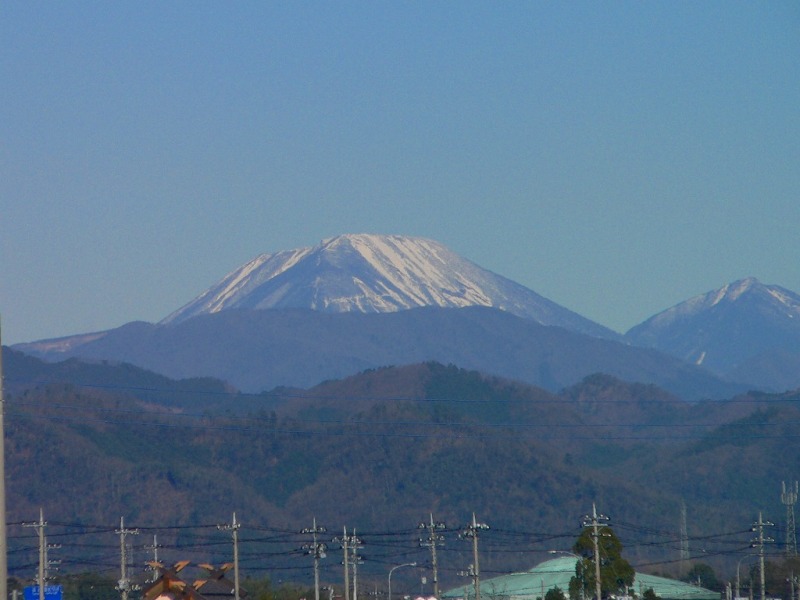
{"x":171,"y":586}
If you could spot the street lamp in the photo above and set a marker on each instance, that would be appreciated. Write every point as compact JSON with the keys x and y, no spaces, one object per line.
{"x":738,"y":595}
{"x":393,"y":569}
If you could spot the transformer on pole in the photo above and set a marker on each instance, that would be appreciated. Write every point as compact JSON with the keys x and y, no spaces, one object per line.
{"x":759,"y":542}
{"x":40,"y":525}
{"x":233,"y":527}
{"x":596,"y":521}
{"x":471,"y":532}
{"x":434,"y":539}
{"x":317,"y":550}
{"x":124,"y":585}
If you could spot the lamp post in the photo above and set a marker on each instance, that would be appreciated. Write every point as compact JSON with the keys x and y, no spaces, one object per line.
{"x":393,"y":569}
{"x":738,"y":564}
{"x":792,"y":581}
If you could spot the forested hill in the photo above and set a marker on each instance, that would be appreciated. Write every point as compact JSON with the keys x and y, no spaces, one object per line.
{"x":384,"y":449}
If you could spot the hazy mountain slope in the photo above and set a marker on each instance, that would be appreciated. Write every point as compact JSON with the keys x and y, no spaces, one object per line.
{"x":777,"y":369}
{"x":24,"y":372}
{"x":727,"y":326}
{"x":261,"y":349}
{"x":376,"y":273}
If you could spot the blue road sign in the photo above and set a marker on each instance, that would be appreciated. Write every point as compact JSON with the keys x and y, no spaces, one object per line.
{"x":51,"y":592}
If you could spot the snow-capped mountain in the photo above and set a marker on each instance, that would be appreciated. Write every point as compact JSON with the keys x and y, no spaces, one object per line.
{"x":726,"y":328}
{"x":376,"y":274}
{"x":341,"y":307}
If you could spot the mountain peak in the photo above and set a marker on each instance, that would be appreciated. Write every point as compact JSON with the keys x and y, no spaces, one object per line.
{"x":723,"y":327}
{"x":371,"y":273}
{"x":747,"y":289}
{"x":733,"y":291}
{"x":353,"y":239}
{"x":729,"y":295}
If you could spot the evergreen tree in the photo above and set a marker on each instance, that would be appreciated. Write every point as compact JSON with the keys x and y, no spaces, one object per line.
{"x":555,"y":594}
{"x":616,"y":573}
{"x":649,"y":594}
{"x":703,"y":575}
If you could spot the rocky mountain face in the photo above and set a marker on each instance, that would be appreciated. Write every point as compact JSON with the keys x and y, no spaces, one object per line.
{"x":744,"y":330}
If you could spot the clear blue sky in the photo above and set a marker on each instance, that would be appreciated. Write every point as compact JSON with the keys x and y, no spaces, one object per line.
{"x":615,"y":157}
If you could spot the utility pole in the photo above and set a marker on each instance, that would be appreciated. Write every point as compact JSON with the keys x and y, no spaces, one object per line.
{"x":154,"y":548}
{"x":471,"y":532}
{"x":759,"y":542}
{"x":434,"y":539}
{"x":345,"y":562}
{"x":684,"y":538}
{"x":124,"y":585}
{"x":355,"y":546}
{"x":3,"y":538}
{"x":789,"y":499}
{"x":233,"y":526}
{"x":596,"y":521}
{"x":350,"y":545}
{"x":39,"y":525}
{"x":317,"y":550}
{"x":47,"y":562}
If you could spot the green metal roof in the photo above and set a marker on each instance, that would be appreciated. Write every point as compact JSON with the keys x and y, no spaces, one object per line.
{"x":557,"y":572}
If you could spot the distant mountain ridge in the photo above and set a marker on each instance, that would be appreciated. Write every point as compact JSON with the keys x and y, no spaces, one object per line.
{"x":257,"y":350}
{"x":368,"y":273}
{"x":355,"y":302}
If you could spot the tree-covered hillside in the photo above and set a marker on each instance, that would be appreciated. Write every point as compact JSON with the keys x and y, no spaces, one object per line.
{"x":382,"y":451}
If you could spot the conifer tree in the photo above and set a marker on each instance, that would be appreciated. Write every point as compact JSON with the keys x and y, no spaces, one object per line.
{"x":616,"y":573}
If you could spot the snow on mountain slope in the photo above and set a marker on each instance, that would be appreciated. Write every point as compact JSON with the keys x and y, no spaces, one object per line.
{"x":727,"y":326}
{"x":376,"y":274}
{"x":782,"y":302}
